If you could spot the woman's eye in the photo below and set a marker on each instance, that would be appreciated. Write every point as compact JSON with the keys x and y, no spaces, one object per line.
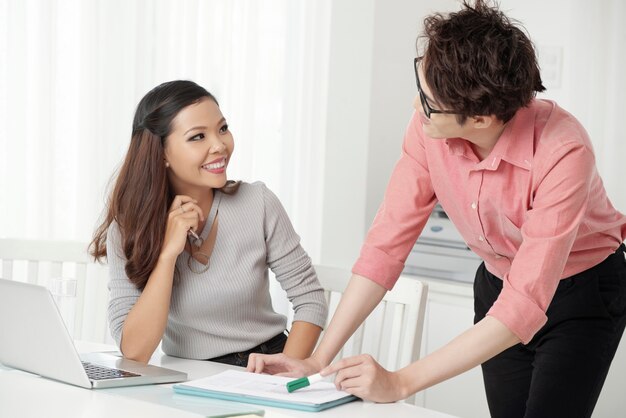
{"x":197,"y":137}
{"x":224,"y":129}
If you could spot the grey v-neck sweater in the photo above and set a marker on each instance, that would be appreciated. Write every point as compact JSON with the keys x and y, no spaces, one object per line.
{"x":228,"y":308}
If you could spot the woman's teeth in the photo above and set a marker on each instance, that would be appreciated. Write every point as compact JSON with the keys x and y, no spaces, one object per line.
{"x":214,"y":166}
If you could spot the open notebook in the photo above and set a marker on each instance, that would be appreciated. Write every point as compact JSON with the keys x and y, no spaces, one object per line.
{"x":266,"y":390}
{"x":34,"y":339}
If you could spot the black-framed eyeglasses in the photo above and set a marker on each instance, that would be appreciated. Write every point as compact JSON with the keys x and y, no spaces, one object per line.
{"x":428,"y":110}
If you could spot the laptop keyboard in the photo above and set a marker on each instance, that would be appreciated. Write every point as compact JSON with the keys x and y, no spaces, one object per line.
{"x":96,"y":372}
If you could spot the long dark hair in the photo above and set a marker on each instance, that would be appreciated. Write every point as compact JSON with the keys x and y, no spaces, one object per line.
{"x":142,"y":194}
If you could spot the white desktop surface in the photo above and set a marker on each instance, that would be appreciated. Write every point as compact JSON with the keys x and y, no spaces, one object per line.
{"x":28,"y":396}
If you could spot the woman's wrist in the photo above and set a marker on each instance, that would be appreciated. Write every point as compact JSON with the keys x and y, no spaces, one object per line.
{"x":165,"y":267}
{"x":167,"y":259}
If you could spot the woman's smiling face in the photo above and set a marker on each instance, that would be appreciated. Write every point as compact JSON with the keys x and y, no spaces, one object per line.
{"x":198,"y":148}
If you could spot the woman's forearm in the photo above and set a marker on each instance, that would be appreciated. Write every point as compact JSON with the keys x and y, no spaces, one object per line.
{"x":358,"y":301}
{"x":302,"y":339}
{"x":145,"y":324}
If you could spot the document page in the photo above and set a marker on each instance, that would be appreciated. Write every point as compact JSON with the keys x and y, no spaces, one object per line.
{"x":267,"y":387}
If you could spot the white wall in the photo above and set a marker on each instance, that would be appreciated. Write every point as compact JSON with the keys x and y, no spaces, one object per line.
{"x":349,"y":78}
{"x":371,"y":86}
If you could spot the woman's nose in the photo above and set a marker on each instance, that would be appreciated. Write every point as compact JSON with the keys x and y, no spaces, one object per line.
{"x":217,"y":146}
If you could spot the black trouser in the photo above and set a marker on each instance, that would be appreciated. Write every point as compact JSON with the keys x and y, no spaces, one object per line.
{"x":274,"y":345}
{"x":560,"y":372}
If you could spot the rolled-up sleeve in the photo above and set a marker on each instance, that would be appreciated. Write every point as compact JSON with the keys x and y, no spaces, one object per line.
{"x":560,"y":200}
{"x":409,"y":200}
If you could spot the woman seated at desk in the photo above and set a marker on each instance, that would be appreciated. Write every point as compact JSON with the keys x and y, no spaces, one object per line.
{"x":189,"y":251}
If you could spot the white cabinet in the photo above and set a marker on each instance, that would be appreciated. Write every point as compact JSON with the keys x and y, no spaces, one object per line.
{"x":449,"y":312}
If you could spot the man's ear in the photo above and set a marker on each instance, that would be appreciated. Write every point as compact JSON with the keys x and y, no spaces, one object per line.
{"x":483,"y":121}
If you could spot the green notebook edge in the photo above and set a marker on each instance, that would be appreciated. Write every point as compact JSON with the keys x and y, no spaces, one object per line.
{"x":180,"y":388}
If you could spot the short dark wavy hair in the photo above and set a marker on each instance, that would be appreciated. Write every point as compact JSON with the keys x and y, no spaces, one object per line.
{"x":479,"y":62}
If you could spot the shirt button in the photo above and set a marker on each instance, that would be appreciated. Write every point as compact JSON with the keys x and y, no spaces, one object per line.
{"x":474,"y":205}
{"x":481,"y":238}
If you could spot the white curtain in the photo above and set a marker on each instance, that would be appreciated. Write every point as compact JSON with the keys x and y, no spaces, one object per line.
{"x":72,"y":72}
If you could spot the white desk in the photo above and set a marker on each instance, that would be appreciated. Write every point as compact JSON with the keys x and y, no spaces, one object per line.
{"x":28,"y":396}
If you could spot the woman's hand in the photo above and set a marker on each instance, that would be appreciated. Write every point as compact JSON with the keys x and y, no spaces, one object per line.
{"x":282,"y":365}
{"x":184,"y":214}
{"x":362,"y":376}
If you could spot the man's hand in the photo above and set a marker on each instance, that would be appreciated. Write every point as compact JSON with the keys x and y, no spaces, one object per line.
{"x":362,"y":376}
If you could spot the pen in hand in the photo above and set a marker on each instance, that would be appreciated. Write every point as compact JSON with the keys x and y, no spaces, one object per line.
{"x":193,"y":234}
{"x":196,"y":240}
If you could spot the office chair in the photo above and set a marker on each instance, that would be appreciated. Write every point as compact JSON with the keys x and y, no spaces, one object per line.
{"x":78,"y":284}
{"x":392,"y":333}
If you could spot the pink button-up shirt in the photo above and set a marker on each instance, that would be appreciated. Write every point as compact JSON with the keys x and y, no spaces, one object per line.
{"x":534,"y":210}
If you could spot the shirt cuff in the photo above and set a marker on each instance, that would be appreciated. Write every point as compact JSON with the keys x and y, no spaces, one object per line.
{"x":378,"y":266}
{"x":518,"y":313}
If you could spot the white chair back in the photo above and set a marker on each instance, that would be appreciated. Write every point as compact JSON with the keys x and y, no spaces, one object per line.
{"x":392,"y":333}
{"x":78,"y":284}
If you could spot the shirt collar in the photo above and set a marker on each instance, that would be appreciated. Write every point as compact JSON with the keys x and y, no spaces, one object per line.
{"x":459,"y":147}
{"x":515,"y":146}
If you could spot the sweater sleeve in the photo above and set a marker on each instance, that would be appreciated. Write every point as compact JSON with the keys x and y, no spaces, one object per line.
{"x":291,"y":264}
{"x":122,"y":292}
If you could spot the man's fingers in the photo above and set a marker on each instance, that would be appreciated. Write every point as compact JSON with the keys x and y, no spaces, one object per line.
{"x":351,"y":384}
{"x":347,"y":374}
{"x":342,"y":364}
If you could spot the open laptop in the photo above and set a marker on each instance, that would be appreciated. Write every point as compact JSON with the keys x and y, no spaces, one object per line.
{"x":33,"y":338}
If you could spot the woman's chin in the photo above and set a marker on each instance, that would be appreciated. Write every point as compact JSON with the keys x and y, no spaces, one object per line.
{"x":218,"y":184}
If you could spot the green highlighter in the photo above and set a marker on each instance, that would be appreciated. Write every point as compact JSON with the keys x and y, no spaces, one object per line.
{"x":303,"y":382}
